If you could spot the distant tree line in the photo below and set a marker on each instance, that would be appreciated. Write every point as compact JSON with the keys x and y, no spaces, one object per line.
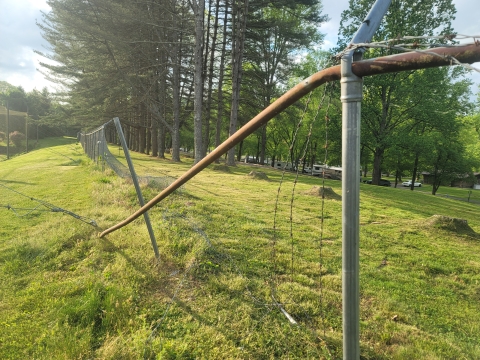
{"x":181,"y":73}
{"x":412,"y":121}
{"x":189,"y":73}
{"x":35,"y":114}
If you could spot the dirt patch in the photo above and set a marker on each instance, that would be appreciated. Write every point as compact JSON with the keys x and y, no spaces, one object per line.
{"x":456,"y":225}
{"x":222,"y":168}
{"x":327,"y":191}
{"x":258,"y":175}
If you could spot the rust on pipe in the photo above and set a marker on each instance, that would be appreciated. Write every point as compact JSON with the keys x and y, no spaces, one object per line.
{"x":387,"y":64}
{"x":415,"y":60}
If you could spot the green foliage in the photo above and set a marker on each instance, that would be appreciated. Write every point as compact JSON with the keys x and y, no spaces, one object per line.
{"x":39,"y":110}
{"x":39,"y":103}
{"x":16,"y":138}
{"x":405,"y":105}
{"x":114,"y":63}
{"x":16,"y":98}
{"x":470,"y":137}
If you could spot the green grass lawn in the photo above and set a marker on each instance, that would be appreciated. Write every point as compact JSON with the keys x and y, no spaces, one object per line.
{"x":227,"y":243}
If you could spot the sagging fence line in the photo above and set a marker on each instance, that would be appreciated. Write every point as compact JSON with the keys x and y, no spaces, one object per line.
{"x":95,"y":145}
{"x":393,"y":63}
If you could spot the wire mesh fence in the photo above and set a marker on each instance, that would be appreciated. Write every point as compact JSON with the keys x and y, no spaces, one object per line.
{"x":95,"y":146}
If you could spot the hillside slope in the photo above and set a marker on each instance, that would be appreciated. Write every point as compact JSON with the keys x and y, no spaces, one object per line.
{"x":235,"y":250}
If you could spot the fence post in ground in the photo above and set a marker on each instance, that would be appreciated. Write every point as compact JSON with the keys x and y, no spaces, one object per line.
{"x":137,"y":186}
{"x":103,"y":149}
{"x":99,"y":156}
{"x":8,"y":132}
{"x":351,"y":97}
{"x":26,"y":129}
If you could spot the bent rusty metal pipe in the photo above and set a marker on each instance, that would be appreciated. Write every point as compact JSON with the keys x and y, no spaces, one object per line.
{"x":387,"y":64}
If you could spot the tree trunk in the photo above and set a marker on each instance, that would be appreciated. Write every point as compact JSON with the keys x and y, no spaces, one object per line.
{"x":377,"y":165}
{"x":149,"y":141}
{"x":154,"y":136}
{"x":175,"y":133}
{"x":415,"y":169}
{"x":161,"y":141}
{"x":162,"y":70}
{"x":211,"y":61}
{"x":239,"y":154}
{"x":198,"y":9}
{"x":398,"y":175}
{"x":142,"y":132}
{"x":240,"y":15}
{"x":263,"y":144}
{"x":221,"y":73}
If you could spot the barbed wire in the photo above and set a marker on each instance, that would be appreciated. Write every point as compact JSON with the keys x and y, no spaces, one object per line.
{"x":416,"y":44}
{"x":414,"y":47}
{"x":50,"y":207}
{"x":17,"y":210}
{"x":448,"y":37}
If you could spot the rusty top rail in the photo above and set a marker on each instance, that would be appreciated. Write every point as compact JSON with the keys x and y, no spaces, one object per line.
{"x":387,"y":64}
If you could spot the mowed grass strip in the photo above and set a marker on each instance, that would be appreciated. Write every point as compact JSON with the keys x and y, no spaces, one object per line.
{"x":227,"y":245}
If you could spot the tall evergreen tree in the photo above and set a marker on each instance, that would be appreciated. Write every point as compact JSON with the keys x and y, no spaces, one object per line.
{"x":277,"y":33}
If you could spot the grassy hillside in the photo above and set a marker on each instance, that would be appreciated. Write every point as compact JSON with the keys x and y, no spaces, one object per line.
{"x":65,"y":293}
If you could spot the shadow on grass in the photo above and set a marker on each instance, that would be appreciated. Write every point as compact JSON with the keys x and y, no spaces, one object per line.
{"x":16,"y":182}
{"x":108,"y":246}
{"x":419,"y":203}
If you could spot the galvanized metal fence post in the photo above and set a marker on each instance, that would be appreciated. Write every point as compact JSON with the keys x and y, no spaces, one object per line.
{"x":8,"y":131}
{"x":351,"y":97}
{"x":103,"y":149}
{"x":137,"y":186}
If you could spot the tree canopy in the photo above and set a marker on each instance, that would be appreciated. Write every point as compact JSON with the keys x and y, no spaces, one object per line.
{"x":187,"y":74}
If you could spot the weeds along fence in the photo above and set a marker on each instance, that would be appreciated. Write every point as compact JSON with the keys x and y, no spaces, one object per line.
{"x":95,"y":145}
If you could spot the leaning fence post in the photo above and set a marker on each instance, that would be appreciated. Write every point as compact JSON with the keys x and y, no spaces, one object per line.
{"x":137,"y":186}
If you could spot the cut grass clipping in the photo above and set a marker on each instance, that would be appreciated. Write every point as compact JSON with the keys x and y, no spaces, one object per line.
{"x":67,"y":294}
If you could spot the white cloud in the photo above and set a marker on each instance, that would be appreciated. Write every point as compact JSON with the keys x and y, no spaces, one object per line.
{"x":20,"y":37}
{"x":39,"y":4}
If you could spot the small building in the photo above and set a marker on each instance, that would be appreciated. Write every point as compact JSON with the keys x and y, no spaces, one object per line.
{"x":461,"y":181}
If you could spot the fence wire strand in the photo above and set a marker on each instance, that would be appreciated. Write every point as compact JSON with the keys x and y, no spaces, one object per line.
{"x":392,"y":44}
{"x":50,"y":207}
{"x":95,"y":146}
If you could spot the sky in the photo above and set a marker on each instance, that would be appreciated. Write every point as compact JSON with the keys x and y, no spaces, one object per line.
{"x":20,"y":36}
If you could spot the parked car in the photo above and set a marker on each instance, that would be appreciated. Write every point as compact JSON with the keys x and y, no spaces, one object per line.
{"x":409,"y":183}
{"x":383,"y":182}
